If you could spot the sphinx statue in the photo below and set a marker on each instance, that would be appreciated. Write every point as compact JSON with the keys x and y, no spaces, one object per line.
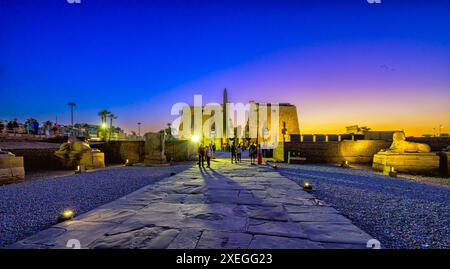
{"x":400,"y":145}
{"x":78,"y":152}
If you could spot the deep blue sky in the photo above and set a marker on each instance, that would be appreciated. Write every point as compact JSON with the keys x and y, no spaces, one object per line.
{"x":139,"y":57}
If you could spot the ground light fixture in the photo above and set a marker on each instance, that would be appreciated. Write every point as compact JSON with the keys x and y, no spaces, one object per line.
{"x":127,"y":162}
{"x":389,"y":171}
{"x":345,"y":164}
{"x":307,"y":186}
{"x":79,"y":169}
{"x":392,"y":172}
{"x":66,"y":215}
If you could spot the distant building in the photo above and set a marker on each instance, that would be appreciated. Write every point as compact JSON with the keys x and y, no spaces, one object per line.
{"x":370,"y":135}
{"x":287,"y":125}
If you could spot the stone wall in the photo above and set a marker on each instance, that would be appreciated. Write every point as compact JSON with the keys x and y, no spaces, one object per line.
{"x":117,"y":152}
{"x":359,"y":151}
{"x":38,"y":159}
{"x":181,"y":150}
{"x":436,"y":143}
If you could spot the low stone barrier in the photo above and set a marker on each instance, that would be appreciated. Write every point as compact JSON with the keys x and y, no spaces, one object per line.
{"x":11,"y":167}
{"x":38,"y":159}
{"x":359,"y":151}
{"x":413,"y":163}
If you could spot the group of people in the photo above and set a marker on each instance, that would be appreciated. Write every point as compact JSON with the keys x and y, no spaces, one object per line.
{"x":205,"y":153}
{"x":29,"y":127}
{"x":236,"y":153}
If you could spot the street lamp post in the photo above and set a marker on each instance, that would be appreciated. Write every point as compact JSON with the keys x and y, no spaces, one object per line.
{"x":71,"y":104}
{"x":139,"y":129}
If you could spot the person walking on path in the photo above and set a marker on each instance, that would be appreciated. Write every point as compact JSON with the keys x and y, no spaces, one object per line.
{"x":233,"y":153}
{"x":201,"y":156}
{"x":35,"y":127}
{"x":209,"y":153}
{"x":239,"y":153}
{"x":252,"y":153}
{"x":55,"y":128}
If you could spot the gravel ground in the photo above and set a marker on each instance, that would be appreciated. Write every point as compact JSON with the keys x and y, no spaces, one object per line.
{"x":31,"y":206}
{"x":400,"y":213}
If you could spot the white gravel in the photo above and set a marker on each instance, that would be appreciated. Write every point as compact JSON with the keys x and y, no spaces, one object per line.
{"x":400,"y":213}
{"x":31,"y":206}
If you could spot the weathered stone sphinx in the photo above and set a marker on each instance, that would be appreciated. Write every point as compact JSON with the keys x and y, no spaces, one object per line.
{"x":405,"y":156}
{"x":11,"y":166}
{"x":79,"y":153}
{"x":400,"y":145}
{"x":154,"y":149}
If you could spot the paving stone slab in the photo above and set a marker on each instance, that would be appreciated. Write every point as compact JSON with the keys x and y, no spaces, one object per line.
{"x":309,"y":209}
{"x":275,"y":228}
{"x":277,"y":242}
{"x":144,"y":238}
{"x":224,"y":240}
{"x":335,"y":233}
{"x":186,"y":239}
{"x":114,"y":215}
{"x":318,"y":217}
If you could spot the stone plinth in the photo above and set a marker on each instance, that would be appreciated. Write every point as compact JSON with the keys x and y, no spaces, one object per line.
{"x":154,"y":149}
{"x":11,"y":167}
{"x":98,"y":159}
{"x":407,"y":162}
{"x":92,"y":160}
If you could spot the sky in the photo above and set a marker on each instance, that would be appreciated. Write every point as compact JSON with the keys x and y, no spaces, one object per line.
{"x":386,"y":66}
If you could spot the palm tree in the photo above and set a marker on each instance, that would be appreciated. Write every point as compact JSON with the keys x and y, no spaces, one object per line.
{"x":103,"y":115}
{"x":111,"y":118}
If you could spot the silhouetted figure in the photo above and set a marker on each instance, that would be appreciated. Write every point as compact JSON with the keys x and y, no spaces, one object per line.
{"x":208,"y":154}
{"x":201,"y":156}
{"x":35,"y":126}
{"x":55,"y":128}
{"x":233,"y":153}
{"x":252,"y":153}
{"x":239,"y":153}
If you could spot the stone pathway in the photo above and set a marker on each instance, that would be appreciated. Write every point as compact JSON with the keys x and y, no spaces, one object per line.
{"x":229,"y":206}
